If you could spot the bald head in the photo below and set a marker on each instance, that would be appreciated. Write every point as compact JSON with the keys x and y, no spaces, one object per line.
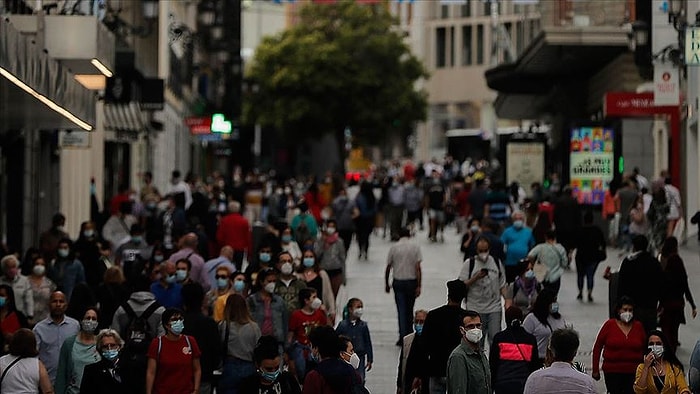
{"x":227,"y":252}
{"x":57,"y":305}
{"x":190,"y":240}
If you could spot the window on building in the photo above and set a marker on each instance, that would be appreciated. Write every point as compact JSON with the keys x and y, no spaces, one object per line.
{"x":466,"y":10}
{"x":520,"y":38}
{"x":452,"y":46}
{"x":444,"y":11}
{"x":409,"y":13}
{"x":534,"y":28}
{"x":466,"y":45}
{"x":440,"y":47}
{"x":487,"y":8}
{"x":480,"y":44}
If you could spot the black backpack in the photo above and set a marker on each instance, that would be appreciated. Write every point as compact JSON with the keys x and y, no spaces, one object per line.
{"x":137,"y":336}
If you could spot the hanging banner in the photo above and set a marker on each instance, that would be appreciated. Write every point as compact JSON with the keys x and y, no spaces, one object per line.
{"x":525,"y":163}
{"x":591,"y":163}
{"x":666,"y":85}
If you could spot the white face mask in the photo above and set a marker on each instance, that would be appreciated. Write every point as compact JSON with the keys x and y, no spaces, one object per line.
{"x":39,"y":270}
{"x":357,"y":313}
{"x":270,"y":287}
{"x":483,"y":256}
{"x":657,"y":350}
{"x":626,"y":316}
{"x":286,"y":268}
{"x":330,"y":230}
{"x":354,"y":360}
{"x":474,"y":335}
{"x":316,"y":303}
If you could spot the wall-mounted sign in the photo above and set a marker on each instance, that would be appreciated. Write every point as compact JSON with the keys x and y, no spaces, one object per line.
{"x":692,"y":46}
{"x":666,"y":85}
{"x":591,"y":164}
{"x":525,"y":163}
{"x":74,"y":139}
{"x":199,"y":125}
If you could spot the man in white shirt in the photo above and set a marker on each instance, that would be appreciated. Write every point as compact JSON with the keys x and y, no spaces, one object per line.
{"x":180,"y":186}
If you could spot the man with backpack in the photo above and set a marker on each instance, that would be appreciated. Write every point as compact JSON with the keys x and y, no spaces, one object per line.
{"x":486,"y":282}
{"x":138,"y":322}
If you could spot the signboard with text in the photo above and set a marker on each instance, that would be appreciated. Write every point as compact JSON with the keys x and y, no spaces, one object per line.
{"x":525,"y":163}
{"x":692,"y":46}
{"x":666,"y":85}
{"x":591,"y":163}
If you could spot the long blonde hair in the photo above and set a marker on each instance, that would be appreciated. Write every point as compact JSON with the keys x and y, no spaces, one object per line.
{"x":237,"y":310}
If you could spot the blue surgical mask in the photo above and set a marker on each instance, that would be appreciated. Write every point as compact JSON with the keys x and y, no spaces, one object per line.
{"x":238,"y":285}
{"x":314,"y":357}
{"x":136,"y":239}
{"x":554,"y":308}
{"x":529,"y":274}
{"x":110,"y":354}
{"x":171,"y":279}
{"x":63,"y":252}
{"x":286,"y":239}
{"x":3,"y":301}
{"x":177,"y":326}
{"x":158,"y":258}
{"x":270,"y":376}
{"x":180,"y":275}
{"x":265,"y":257}
{"x":418,"y":328}
{"x":222,"y":283}
{"x":518,"y":224}
{"x":88,"y":233}
{"x":308,"y":262}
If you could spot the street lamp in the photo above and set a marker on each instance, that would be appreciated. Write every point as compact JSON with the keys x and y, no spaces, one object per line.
{"x":639,"y":35}
{"x":150,"y":9}
{"x":675,"y":13}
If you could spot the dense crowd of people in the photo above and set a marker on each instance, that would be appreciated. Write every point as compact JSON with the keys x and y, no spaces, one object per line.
{"x":237,"y":286}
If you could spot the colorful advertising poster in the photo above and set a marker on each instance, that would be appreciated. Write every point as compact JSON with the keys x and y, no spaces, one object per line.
{"x":591,"y":164}
{"x":525,"y":163}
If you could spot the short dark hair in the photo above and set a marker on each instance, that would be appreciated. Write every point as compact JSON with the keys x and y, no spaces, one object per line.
{"x":57,"y":219}
{"x":564,"y":344}
{"x":192,"y":296}
{"x":136,"y":229}
{"x":186,"y":261}
{"x":639,"y":243}
{"x":168,"y":314}
{"x":326,"y":340}
{"x":624,"y":300}
{"x":513,"y":313}
{"x":266,"y":349}
{"x":456,"y":290}
{"x":472,"y":314}
{"x":550,"y":234}
{"x":305,"y":294}
{"x":23,"y":343}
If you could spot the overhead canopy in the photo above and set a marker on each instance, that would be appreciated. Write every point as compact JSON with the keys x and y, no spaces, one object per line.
{"x":558,"y":56}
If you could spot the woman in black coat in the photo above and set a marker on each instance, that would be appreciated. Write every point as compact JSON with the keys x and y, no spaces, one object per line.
{"x":106,"y":376}
{"x":590,"y":251}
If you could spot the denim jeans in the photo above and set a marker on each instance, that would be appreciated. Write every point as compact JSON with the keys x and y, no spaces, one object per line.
{"x":297,"y":354}
{"x":405,"y":297}
{"x":438,"y":385}
{"x":586,"y":270}
{"x":235,"y":370}
{"x":491,"y":325}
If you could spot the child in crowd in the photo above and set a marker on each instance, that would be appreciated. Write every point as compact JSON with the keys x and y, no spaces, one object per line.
{"x":301,"y":322}
{"x":357,"y":330}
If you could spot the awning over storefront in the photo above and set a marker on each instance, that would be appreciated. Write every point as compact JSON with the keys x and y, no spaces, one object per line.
{"x":36,"y":91}
{"x":558,"y":57}
{"x":124,"y":117}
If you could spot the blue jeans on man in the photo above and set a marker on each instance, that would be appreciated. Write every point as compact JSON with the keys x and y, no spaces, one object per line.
{"x":405,"y":297}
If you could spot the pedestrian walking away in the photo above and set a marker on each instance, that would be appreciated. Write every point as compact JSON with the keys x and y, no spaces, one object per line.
{"x":404,"y":259}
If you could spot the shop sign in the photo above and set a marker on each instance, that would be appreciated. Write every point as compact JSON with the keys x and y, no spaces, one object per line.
{"x":666,"y":86}
{"x":591,"y":163}
{"x":525,"y":162}
{"x":199,"y":125}
{"x":74,"y":139}
{"x":692,"y":46}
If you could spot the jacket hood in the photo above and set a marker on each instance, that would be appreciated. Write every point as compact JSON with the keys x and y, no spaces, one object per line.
{"x":142,"y":297}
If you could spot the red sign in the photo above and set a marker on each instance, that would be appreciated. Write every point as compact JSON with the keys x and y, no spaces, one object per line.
{"x":633,"y":104}
{"x":199,"y":124}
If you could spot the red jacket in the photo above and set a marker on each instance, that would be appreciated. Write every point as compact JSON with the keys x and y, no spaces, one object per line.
{"x":234,"y":231}
{"x":621,"y":354}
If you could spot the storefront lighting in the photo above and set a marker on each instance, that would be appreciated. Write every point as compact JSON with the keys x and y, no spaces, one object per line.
{"x":103,"y":69}
{"x":219,"y":124}
{"x":150,"y":9}
{"x":83,"y":125}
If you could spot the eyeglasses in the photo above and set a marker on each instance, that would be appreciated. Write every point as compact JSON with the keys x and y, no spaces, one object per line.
{"x":221,"y":276}
{"x":472,"y":326}
{"x":110,"y":346}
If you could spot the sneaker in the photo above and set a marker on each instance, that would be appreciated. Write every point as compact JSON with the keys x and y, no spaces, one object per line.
{"x":590,"y":298}
{"x":579,"y":297}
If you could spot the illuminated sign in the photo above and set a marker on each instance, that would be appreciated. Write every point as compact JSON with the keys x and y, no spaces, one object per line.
{"x":591,"y":163}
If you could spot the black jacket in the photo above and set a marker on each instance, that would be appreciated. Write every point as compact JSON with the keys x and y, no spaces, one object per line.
{"x":513,"y":357}
{"x":442,"y":335}
{"x":206,"y":332}
{"x":286,"y":383}
{"x":641,"y":278}
{"x":101,"y":378}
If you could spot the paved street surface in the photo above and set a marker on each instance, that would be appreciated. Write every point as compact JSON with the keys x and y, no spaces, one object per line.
{"x":442,"y":262}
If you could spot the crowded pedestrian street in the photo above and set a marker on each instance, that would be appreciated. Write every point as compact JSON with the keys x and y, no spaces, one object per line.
{"x":443,"y":261}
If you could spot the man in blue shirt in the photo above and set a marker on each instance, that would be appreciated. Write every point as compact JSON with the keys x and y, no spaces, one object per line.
{"x":52,"y":331}
{"x":518,"y":241}
{"x":167,"y":291}
{"x":224,"y":260}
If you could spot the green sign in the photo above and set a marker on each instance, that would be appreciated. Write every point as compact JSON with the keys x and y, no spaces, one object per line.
{"x":219,"y":124}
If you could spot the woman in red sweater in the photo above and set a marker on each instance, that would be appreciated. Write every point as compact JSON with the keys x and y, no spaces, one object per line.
{"x":622,"y":341}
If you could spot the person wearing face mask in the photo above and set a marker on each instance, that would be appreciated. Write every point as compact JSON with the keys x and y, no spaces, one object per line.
{"x":483,"y":276}
{"x":182,"y":271}
{"x":133,"y":254}
{"x":413,"y":369}
{"x":561,"y":376}
{"x":11,"y":319}
{"x":543,"y":320}
{"x":522,"y":293}
{"x":117,"y":228}
{"x":182,"y":372}
{"x":205,"y":332}
{"x":332,"y":375}
{"x":621,"y":341}
{"x":212,"y":266}
{"x":48,"y":240}
{"x":302,"y":320}
{"x":111,"y":294}
{"x":77,"y":352}
{"x":41,"y":287}
{"x":517,"y":240}
{"x":661,"y":372}
{"x":357,"y":330}
{"x":107,"y":376}
{"x":267,"y":308}
{"x":318,"y":279}
{"x":330,"y":251}
{"x":553,"y":256}
{"x":220,"y":291}
{"x":347,"y":352}
{"x":291,"y":246}
{"x":66,"y":270}
{"x":239,"y":335}
{"x":167,"y":291}
{"x":513,"y":355}
{"x":270,"y":378}
{"x":288,"y":285}
{"x":19,"y":283}
{"x":467,"y":367}
{"x":468,"y":245}
{"x":87,"y":250}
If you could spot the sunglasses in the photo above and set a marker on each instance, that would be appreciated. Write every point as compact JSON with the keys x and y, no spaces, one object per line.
{"x":472,"y":326}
